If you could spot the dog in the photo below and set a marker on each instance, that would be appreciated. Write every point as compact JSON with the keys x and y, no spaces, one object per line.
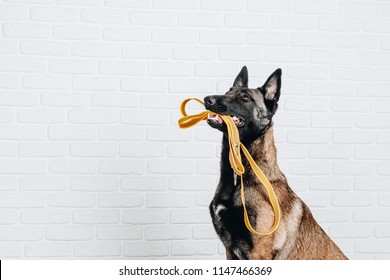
{"x":298,"y":236}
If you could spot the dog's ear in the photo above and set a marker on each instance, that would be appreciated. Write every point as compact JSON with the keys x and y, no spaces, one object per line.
{"x":242,"y":78}
{"x":271,"y":88}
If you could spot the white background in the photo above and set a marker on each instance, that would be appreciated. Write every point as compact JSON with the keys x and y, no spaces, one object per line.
{"x":93,"y":165}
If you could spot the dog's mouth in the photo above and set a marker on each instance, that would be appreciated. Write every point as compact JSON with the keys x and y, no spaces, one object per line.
{"x":216,"y":120}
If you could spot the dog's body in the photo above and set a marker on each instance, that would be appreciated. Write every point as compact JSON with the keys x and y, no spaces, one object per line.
{"x":298,"y":236}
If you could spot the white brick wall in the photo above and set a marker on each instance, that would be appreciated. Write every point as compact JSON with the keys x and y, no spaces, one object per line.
{"x":93,"y":165}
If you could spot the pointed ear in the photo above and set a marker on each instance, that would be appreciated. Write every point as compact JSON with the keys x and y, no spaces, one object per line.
{"x":271,"y":88}
{"x":242,"y":78}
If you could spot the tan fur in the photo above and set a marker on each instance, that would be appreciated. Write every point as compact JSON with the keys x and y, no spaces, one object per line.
{"x":299,"y":236}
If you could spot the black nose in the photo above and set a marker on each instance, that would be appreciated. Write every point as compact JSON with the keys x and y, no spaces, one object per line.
{"x":209,"y":100}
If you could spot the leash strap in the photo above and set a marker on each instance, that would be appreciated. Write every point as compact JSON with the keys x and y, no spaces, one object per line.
{"x":235,"y":161}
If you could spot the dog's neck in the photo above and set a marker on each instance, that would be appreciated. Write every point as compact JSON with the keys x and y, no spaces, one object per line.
{"x":262,"y":150}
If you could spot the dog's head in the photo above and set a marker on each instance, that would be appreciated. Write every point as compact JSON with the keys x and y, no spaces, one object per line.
{"x":251,"y":109}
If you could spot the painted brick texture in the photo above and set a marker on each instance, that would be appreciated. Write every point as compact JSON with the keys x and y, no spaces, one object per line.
{"x":93,"y":165}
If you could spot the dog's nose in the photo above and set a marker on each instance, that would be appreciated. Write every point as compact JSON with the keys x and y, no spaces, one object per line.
{"x":209,"y":100}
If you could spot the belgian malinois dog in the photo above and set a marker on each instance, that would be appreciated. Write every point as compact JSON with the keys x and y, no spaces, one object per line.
{"x":298,"y":236}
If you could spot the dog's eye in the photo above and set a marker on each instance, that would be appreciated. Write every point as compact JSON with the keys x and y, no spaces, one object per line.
{"x":245,"y":98}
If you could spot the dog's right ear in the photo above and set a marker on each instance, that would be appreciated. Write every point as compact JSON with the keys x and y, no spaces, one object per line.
{"x":242,"y":78}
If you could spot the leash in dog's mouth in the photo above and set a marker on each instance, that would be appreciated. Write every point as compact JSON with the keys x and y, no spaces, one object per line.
{"x":232,"y":124}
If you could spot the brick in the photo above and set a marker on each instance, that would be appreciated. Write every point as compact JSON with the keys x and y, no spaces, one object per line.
{"x":385,"y":43}
{"x":22,"y":200}
{"x":92,"y":116}
{"x":146,"y":249}
{"x":215,"y":70}
{"x":72,"y":66}
{"x":188,"y":183}
{"x":182,"y":248}
{"x":22,"y":64}
{"x":382,"y":106}
{"x":372,"y":121}
{"x":373,"y":58}
{"x":65,"y":99}
{"x":312,"y":167}
{"x":46,"y":82}
{"x":43,"y":183}
{"x":118,"y":233}
{"x":126,"y":34}
{"x":13,"y":12}
{"x":54,"y":14}
{"x":168,"y":200}
{"x":353,"y":168}
{"x":76,"y":32}
{"x":148,"y":85}
{"x":307,"y":72}
{"x":11,"y":250}
{"x":44,"y":216}
{"x":8,"y":217}
{"x":383,"y":168}
{"x":95,"y":83}
{"x":121,"y":167}
{"x":372,"y":152}
{"x":379,"y":25}
{"x":242,"y":53}
{"x":293,"y":22}
{"x":380,"y":74}
{"x":351,"y":105}
{"x":219,"y":37}
{"x":22,"y":132}
{"x":93,"y":149}
{"x":382,"y":230}
{"x":45,"y":116}
{"x":72,"y":166}
{"x":21,"y":233}
{"x":135,"y":183}
{"x":331,"y":89}
{"x":357,"y":41}
{"x":120,"y":67}
{"x":120,"y":200}
{"x":145,"y":51}
{"x":332,"y":215}
{"x":171,"y":232}
{"x":7,"y":116}
{"x":8,"y":47}
{"x":177,"y":36}
{"x":203,"y":232}
{"x":350,"y":230}
{"x":304,"y":104}
{"x":96,"y":216}
{"x":384,"y":199}
{"x":201,"y":19}
{"x":26,"y":30}
{"x":144,"y":117}
{"x":308,"y":7}
{"x":167,"y":135}
{"x":121,"y":133}
{"x":339,"y":24}
{"x":316,"y":199}
{"x":97,"y":249}
{"x":208,"y":167}
{"x":176,"y":4}
{"x":190,"y":216}
{"x":351,"y":73}
{"x":383,"y":137}
{"x":372,"y":246}
{"x":371,"y":214}
{"x":48,"y":249}
{"x":308,"y":137}
{"x":93,"y":183}
{"x":157,"y":166}
{"x":42,"y":149}
{"x":155,"y":18}
{"x":330,"y":152}
{"x":332,"y":57}
{"x":268,"y":38}
{"x":353,"y":199}
{"x":8,"y":183}
{"x":104,"y":16}
{"x":193,"y":53}
{"x":203,"y":199}
{"x":114,"y":100}
{"x":313,"y":40}
{"x":183,"y":150}
{"x":278,"y":6}
{"x":69,"y":233}
{"x":352,"y":137}
{"x":9,"y":81}
{"x":126,"y":3}
{"x":45,"y":47}
{"x":247,"y":21}
{"x":170,"y":69}
{"x":220,"y":5}
{"x":145,"y":216}
{"x":292,"y":152}
{"x":292,"y":120}
{"x":332,"y":121}
{"x":101,"y":49}
{"x":288,"y":56}
{"x":142,"y":150}
{"x":359,"y":8}
{"x":74,"y":200}
{"x":17,"y":166}
{"x":72,"y":132}
{"x":331,"y":183}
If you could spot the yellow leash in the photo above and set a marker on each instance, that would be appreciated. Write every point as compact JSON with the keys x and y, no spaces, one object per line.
{"x":235,"y":161}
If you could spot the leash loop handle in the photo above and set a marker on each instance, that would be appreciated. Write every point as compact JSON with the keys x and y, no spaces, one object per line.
{"x":236,"y":161}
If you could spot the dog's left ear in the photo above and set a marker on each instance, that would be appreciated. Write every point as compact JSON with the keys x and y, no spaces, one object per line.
{"x":271,"y":88}
{"x":242,"y":78}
